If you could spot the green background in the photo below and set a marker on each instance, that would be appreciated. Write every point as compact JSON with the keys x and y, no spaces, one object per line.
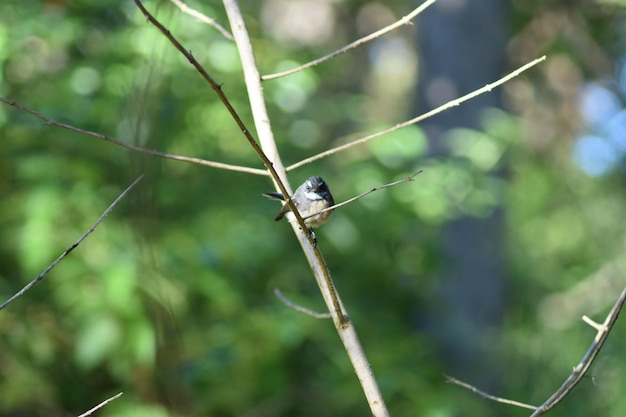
{"x":171,"y":299}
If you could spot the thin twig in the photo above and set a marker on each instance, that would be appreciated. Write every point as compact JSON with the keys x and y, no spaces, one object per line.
{"x":102,"y":404}
{"x":579,"y":371}
{"x":74,"y":246}
{"x":203,"y":18}
{"x":299,"y":308}
{"x":485,"y":395}
{"x":405,"y":20}
{"x":380,"y":187}
{"x":417,"y":119}
{"x":106,"y":138}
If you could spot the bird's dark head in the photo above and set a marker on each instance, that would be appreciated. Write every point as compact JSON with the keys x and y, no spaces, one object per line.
{"x":315,"y":188}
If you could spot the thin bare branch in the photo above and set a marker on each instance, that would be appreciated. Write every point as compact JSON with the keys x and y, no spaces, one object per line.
{"x":405,"y":20}
{"x":417,"y":119}
{"x":212,"y":164}
{"x":203,"y":18}
{"x":487,"y":396}
{"x":74,"y":246}
{"x":380,"y":187}
{"x":577,"y":374}
{"x":299,"y":308}
{"x":102,"y":404}
{"x":581,"y":369}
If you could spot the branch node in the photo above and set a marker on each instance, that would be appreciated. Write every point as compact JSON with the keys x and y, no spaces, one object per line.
{"x":599,"y":327}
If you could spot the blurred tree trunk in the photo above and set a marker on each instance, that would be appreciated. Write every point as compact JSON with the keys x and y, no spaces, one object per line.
{"x":463,"y":48}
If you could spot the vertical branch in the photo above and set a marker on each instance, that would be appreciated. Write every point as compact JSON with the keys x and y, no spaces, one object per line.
{"x":342,"y":322}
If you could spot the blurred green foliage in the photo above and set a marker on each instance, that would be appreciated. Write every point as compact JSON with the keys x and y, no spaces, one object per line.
{"x":171,"y":299}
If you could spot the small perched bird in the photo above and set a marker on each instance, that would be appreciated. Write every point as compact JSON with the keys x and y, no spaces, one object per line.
{"x":311,"y":197}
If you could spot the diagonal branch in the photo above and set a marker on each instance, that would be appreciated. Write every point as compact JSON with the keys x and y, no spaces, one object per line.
{"x":71,"y":248}
{"x":404,"y":21}
{"x":272,"y":166}
{"x":220,"y":94}
{"x":264,"y":123}
{"x":51,"y":122}
{"x":417,"y":119}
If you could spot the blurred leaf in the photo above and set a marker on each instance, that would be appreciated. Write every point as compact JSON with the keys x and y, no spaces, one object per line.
{"x":99,"y":337}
